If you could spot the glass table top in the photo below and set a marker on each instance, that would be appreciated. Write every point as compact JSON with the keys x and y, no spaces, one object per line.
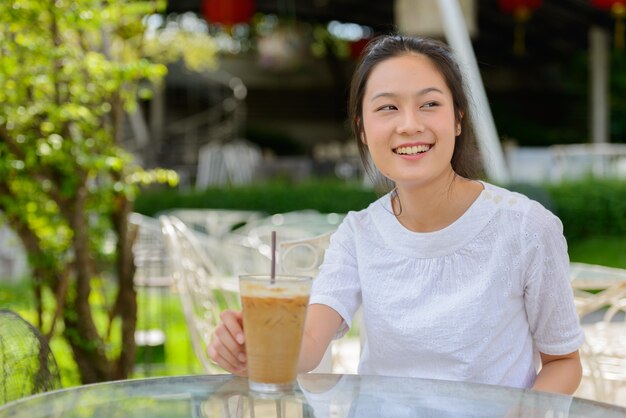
{"x":316,"y":395}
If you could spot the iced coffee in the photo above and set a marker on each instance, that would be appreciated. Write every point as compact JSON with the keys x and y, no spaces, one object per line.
{"x":273,"y":321}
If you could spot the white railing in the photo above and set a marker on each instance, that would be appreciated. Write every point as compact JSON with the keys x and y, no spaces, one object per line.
{"x":558,"y":163}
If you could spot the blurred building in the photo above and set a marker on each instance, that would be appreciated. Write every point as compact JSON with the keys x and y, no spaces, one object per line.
{"x":535,"y":66}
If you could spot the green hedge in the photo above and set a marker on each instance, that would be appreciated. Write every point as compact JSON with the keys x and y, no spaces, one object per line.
{"x":591,"y":207}
{"x":325,"y":196}
{"x":587,"y":208}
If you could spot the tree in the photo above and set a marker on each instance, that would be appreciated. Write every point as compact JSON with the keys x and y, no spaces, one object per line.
{"x":70,"y":71}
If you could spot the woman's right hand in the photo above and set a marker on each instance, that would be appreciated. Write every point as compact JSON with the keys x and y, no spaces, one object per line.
{"x":227,"y":348}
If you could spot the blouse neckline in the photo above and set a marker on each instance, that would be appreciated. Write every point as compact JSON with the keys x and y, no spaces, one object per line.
{"x":437,"y":243}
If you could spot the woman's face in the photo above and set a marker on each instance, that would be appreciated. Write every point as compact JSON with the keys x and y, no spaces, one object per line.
{"x":408,"y":120}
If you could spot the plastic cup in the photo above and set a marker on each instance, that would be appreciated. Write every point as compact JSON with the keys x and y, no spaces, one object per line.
{"x":273,"y":321}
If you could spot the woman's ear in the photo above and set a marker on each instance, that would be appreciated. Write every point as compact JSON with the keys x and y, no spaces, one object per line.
{"x":458,"y":123}
{"x":361,"y":131}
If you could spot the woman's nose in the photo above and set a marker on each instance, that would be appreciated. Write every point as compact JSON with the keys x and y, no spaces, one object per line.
{"x":410,"y":123}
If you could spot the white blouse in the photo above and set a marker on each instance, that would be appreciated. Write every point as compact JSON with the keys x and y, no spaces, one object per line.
{"x":476,"y":301}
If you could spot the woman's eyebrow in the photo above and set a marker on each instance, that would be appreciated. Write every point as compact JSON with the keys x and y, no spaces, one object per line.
{"x":419,"y":93}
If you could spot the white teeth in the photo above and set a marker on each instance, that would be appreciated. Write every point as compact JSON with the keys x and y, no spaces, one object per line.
{"x":416,"y":149}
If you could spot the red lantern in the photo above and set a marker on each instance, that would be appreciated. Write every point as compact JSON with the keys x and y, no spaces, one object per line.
{"x":227,"y":12}
{"x":356,"y":47}
{"x":618,"y":10}
{"x":519,"y":6}
{"x":521,"y":11}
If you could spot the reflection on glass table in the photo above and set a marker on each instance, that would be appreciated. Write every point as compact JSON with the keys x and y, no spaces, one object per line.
{"x":316,"y":395}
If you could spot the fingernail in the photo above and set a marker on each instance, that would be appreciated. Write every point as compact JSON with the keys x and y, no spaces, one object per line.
{"x":239,"y":338}
{"x":211,"y":352}
{"x":242,"y":357}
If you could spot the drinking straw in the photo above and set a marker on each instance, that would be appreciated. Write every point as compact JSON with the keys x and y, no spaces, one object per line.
{"x":273,"y":277}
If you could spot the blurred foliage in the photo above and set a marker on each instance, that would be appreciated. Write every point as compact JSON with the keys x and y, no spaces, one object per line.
{"x":617,"y":90}
{"x":180,"y":37}
{"x":69,"y":73}
{"x":535,"y":192}
{"x":531,"y":122}
{"x":277,"y":142}
{"x":562,"y":114}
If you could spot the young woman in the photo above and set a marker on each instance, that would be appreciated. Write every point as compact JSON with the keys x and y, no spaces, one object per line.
{"x":458,"y":279}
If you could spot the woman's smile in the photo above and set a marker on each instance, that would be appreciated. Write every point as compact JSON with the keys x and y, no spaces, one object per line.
{"x":412,"y":151}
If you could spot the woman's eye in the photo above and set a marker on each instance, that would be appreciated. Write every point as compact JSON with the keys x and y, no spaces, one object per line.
{"x":430,"y":105}
{"x":387,"y":107}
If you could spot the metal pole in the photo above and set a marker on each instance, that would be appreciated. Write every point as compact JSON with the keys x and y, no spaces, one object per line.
{"x":599,"y":84}
{"x":484,"y":126}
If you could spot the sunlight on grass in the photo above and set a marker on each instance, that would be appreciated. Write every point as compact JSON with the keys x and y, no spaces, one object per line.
{"x":161,"y":309}
{"x":157,"y":309}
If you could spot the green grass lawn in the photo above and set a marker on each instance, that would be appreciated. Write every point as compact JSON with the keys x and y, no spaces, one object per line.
{"x":607,"y":251}
{"x":157,"y":309}
{"x":161,"y":309}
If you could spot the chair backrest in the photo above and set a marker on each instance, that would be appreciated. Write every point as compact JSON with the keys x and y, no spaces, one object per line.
{"x":216,"y":222}
{"x":289,"y":225}
{"x":203,"y":290}
{"x":586,"y":279}
{"x":151,"y":255}
{"x":27,"y":365}
{"x":303,"y":256}
{"x":590,"y":275}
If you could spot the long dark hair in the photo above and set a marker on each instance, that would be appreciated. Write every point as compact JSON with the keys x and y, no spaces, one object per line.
{"x":465,"y":161}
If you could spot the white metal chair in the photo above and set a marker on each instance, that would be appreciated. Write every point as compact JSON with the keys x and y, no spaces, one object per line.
{"x":605,"y":354}
{"x":152,"y":281}
{"x":291,"y":225}
{"x":305,"y":256}
{"x":216,"y":222}
{"x":204,"y":288}
{"x":149,"y":251}
{"x":296,"y":225}
{"x":233,"y":162}
{"x":598,"y":288}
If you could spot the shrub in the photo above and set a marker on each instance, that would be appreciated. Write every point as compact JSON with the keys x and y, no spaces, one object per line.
{"x":591,"y":207}
{"x":587,"y":208}
{"x":535,"y":192}
{"x":325,"y":196}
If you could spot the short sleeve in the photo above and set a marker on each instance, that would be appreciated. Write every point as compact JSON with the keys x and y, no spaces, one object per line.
{"x":548,"y":294}
{"x":337,"y":285}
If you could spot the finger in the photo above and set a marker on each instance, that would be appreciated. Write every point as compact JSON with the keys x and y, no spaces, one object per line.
{"x":217,"y":357}
{"x":232,"y":320}
{"x":225,"y":364}
{"x":233,"y":357}
{"x":226,"y":340}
